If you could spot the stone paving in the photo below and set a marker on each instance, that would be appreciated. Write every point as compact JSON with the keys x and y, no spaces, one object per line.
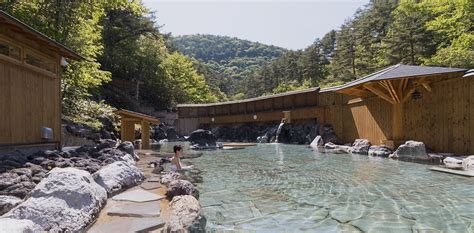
{"x":143,"y":208}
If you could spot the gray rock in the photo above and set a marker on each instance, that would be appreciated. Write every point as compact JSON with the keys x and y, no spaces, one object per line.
{"x":337,"y":149}
{"x":171,"y":134}
{"x":22,"y":171}
{"x":127,"y":147}
{"x":107,"y":143}
{"x":185,"y":215}
{"x":318,"y":141}
{"x":379,"y":151}
{"x":262,"y":139}
{"x":181,"y":187}
{"x":21,"y":189}
{"x":9,"y":225}
{"x":118,"y":176}
{"x":8,"y":202}
{"x":170,"y":176}
{"x":411,"y":150}
{"x":203,"y":138}
{"x":361,"y":146}
{"x":67,"y":200}
{"x":329,"y":135}
{"x":8,"y":179}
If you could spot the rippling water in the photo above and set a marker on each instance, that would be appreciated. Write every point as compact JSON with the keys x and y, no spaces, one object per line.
{"x":274,"y":187}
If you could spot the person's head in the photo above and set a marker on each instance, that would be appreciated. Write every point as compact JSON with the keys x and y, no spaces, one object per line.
{"x":283,"y":120}
{"x":178,"y":149}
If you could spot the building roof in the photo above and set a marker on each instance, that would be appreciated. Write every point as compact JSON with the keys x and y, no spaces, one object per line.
{"x":5,"y":18}
{"x":392,"y":72}
{"x":314,"y":89}
{"x":139,"y":116}
{"x":396,"y":72}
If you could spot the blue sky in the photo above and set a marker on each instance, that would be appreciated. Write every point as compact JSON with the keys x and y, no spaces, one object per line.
{"x":289,"y":24}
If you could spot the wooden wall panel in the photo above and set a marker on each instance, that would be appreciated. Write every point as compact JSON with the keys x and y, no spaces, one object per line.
{"x":5,"y":106}
{"x":28,"y":101}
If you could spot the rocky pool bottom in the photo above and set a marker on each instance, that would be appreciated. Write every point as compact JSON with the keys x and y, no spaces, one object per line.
{"x":277,"y":187}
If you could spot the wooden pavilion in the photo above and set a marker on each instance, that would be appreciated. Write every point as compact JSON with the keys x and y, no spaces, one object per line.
{"x":129,"y":119}
{"x":396,"y":85}
{"x":30,"y":86}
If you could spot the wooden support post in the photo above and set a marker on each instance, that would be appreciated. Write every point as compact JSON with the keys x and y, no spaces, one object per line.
{"x":397,"y":119}
{"x":127,"y":131}
{"x":145,"y":135}
{"x":287,"y":116}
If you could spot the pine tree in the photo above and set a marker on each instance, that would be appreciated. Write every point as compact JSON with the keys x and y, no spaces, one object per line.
{"x":408,"y":40}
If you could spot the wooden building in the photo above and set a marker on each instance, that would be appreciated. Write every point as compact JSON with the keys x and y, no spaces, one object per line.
{"x":129,"y":119}
{"x":30,"y":86}
{"x":430,"y":104}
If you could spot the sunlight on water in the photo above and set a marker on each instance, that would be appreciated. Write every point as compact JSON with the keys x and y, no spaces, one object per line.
{"x":276,"y":187}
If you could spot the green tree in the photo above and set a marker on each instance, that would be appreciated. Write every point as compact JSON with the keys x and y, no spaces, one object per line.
{"x":453,"y":26}
{"x":343,"y":66}
{"x":408,"y":40}
{"x":184,"y":83}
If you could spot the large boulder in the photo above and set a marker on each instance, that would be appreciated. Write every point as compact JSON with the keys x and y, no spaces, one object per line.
{"x":361,"y":146}
{"x":203,"y":138}
{"x":337,"y":149}
{"x":127,"y":147}
{"x":8,"y":202}
{"x":181,"y":187}
{"x":379,"y":151}
{"x":118,"y":176}
{"x":170,"y":176}
{"x":185,"y":215}
{"x":411,"y":150}
{"x":171,"y":134}
{"x":329,"y":135}
{"x":66,"y":200}
{"x":9,"y":225}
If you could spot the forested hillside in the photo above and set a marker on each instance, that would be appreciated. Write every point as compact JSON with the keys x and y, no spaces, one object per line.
{"x":120,"y":40}
{"x":227,"y":60}
{"x":383,"y":33}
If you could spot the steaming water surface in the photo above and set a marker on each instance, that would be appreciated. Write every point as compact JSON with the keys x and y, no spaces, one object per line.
{"x":275,"y":187}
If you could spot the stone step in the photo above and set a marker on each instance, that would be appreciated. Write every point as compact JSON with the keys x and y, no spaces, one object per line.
{"x":129,"y":225}
{"x":138,"y":195}
{"x":148,"y":209}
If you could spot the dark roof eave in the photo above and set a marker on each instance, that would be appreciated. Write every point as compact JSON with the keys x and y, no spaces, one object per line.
{"x":252,"y":99}
{"x":64,"y":51}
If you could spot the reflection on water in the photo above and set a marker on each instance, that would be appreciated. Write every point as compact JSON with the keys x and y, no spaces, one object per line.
{"x":276,"y":187}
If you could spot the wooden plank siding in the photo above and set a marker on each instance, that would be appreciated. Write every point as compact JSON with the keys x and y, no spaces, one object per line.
{"x":28,"y":101}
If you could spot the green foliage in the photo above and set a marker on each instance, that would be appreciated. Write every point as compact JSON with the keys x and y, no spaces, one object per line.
{"x":184,"y":83}
{"x":292,"y":85}
{"x":88,"y":112}
{"x":227,"y":60}
{"x":452,"y":25}
{"x":408,"y":40}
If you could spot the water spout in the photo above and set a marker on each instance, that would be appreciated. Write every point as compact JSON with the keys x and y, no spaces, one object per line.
{"x":279,"y":129}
